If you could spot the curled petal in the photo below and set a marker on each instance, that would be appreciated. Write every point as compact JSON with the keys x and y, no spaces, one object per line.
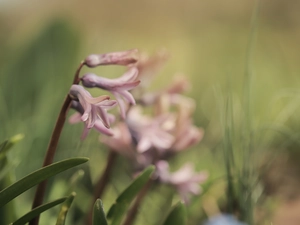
{"x":130,"y":75}
{"x":128,"y":96}
{"x":104,"y":117}
{"x":122,"y":105}
{"x":99,"y":126}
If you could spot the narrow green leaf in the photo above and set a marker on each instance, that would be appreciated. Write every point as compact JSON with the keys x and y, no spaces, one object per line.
{"x":177,"y":216}
{"x":98,"y":214}
{"x":133,"y":189}
{"x":118,"y":209}
{"x":112,"y":210}
{"x":38,"y":210}
{"x":36,"y":177}
{"x":61,"y":219}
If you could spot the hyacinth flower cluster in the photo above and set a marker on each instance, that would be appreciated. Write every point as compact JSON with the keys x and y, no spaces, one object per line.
{"x":166,"y":129}
{"x":94,"y":111}
{"x":145,"y":139}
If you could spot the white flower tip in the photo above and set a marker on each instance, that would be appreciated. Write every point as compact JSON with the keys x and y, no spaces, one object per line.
{"x":84,"y":117}
{"x":92,"y":60}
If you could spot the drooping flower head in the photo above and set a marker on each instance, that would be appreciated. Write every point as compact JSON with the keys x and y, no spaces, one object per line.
{"x":119,"y":87}
{"x":92,"y":110}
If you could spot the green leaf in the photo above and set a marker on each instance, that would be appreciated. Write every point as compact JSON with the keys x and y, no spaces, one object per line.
{"x":36,"y":177}
{"x":61,"y":219}
{"x":116,"y":212}
{"x":38,"y":210}
{"x":177,"y":216}
{"x":2,"y":145}
{"x":98,"y":214}
{"x":118,"y":209}
{"x":7,"y":144}
{"x":133,"y":189}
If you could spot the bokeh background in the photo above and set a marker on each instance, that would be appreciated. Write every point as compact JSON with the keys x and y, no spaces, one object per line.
{"x":42,"y":43}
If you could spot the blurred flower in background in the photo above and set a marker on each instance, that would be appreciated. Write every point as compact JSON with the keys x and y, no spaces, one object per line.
{"x":157,"y":129}
{"x":186,"y":181}
{"x":223,"y":219}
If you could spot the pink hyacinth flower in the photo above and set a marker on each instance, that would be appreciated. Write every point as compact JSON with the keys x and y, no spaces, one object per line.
{"x":92,"y":109}
{"x":119,"y":87}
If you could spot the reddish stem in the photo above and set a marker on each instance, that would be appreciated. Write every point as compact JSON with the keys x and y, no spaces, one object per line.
{"x":41,"y":188}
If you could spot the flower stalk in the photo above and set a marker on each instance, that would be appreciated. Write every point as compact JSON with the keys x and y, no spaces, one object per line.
{"x":41,"y":188}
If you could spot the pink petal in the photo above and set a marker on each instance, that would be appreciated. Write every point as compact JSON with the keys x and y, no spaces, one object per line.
{"x":121,"y":105}
{"x":128,"y":96}
{"x":103,"y":116}
{"x":99,"y":126}
{"x":130,"y":75}
{"x":75,"y":118}
{"x":127,"y":86}
{"x":85,"y":132}
{"x":143,"y":145}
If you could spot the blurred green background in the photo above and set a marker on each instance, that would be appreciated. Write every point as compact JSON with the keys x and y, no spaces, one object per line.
{"x":42,"y":43}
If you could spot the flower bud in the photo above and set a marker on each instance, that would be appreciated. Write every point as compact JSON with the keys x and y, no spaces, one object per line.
{"x":113,"y":58}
